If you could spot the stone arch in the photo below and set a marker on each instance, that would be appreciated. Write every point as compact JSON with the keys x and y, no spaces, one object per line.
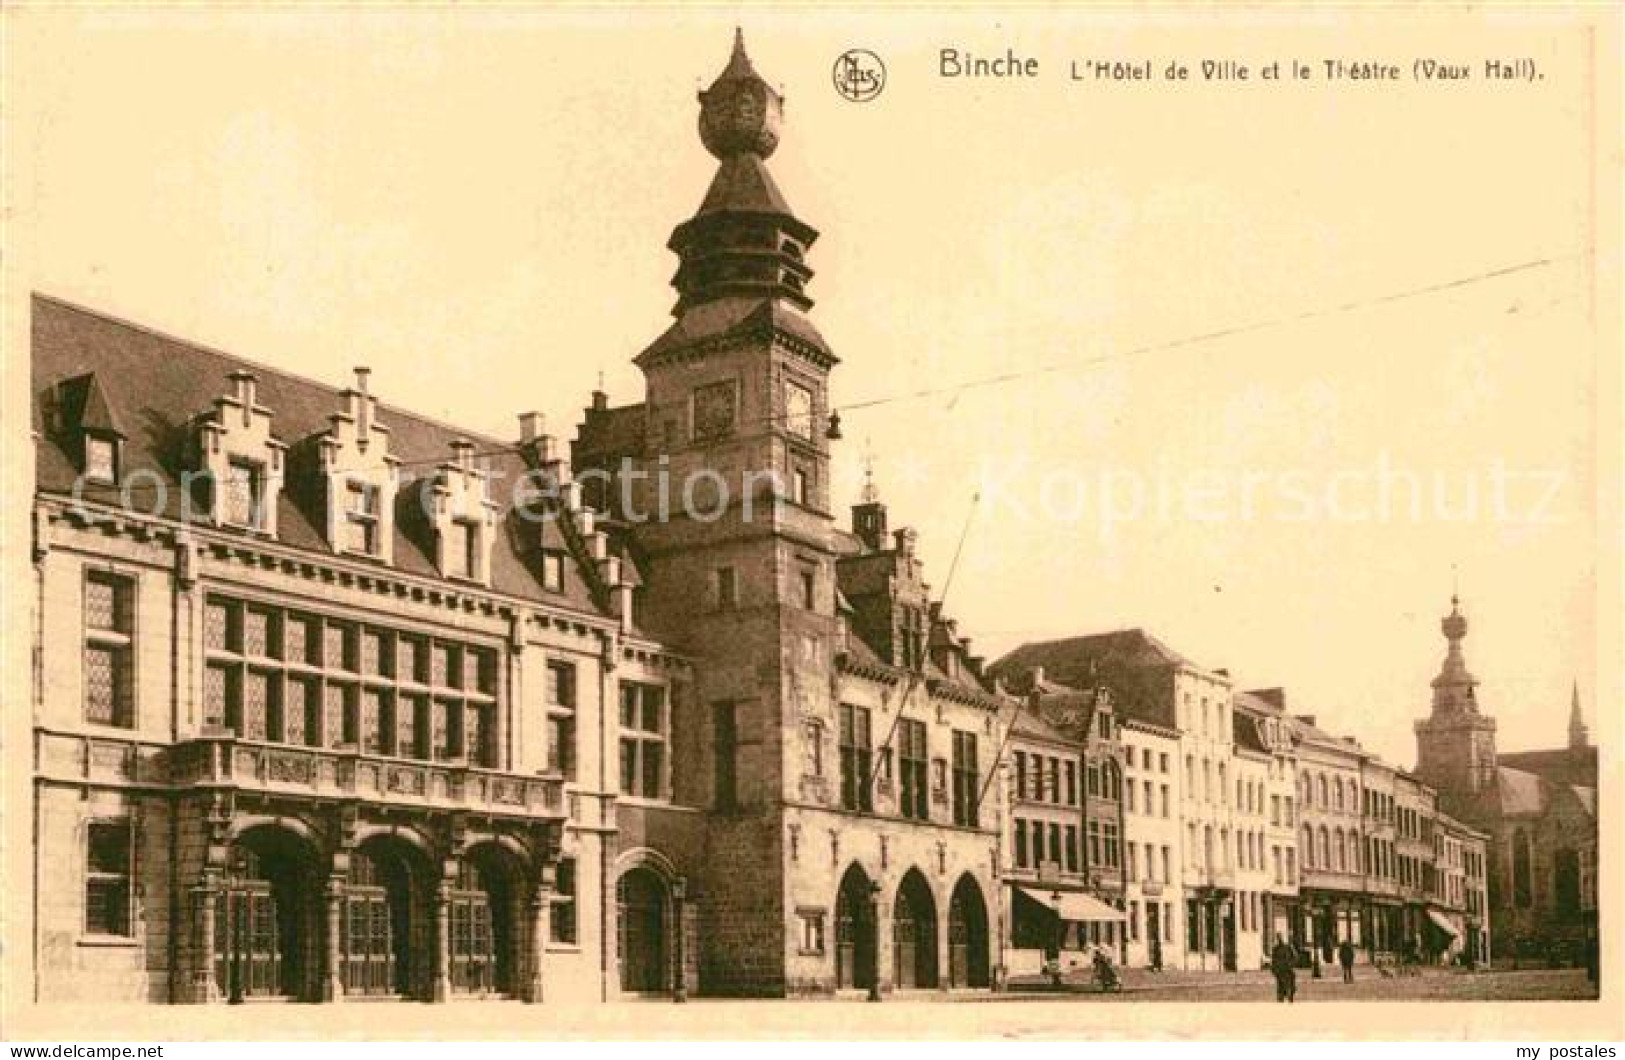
{"x":297,"y":826}
{"x":914,"y":932}
{"x":968,"y":936}
{"x":856,"y":935}
{"x":486,"y":916}
{"x":646,"y":858}
{"x":409,"y":835}
{"x":268,"y":912}
{"x":644,"y":923}
{"x":387,"y":937}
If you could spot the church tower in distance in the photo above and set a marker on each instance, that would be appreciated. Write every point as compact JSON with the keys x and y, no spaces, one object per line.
{"x":1455,"y":744}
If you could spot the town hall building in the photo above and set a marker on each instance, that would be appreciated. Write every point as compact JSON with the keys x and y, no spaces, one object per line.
{"x":324,"y":710}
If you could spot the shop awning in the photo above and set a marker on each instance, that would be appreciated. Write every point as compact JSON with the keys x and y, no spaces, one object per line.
{"x":1443,"y":923}
{"x":1076,"y":906}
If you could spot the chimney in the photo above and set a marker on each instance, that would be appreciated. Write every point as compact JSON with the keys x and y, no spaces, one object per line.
{"x":905,"y":539}
{"x":242,"y":387}
{"x":600,"y":400}
{"x":1275,"y":697}
{"x":243,"y":392}
{"x":358,"y":403}
{"x":463,"y":454}
{"x":539,"y":447}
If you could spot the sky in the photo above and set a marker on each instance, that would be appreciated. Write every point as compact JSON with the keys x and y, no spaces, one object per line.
{"x":475,"y":204}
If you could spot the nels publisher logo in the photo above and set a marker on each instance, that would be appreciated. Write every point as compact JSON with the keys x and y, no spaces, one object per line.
{"x":859,"y":75}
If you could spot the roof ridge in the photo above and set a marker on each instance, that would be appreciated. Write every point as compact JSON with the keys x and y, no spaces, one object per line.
{"x":249,"y":362}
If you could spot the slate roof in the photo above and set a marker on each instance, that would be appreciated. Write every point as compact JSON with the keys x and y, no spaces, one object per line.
{"x":1522,"y":794}
{"x":730,"y":317}
{"x":1068,"y":660}
{"x":1309,"y":733}
{"x":1244,"y":731}
{"x":1027,"y":723}
{"x":743,"y":185}
{"x":1262,"y":700}
{"x":1563,"y":765}
{"x":156,"y":387}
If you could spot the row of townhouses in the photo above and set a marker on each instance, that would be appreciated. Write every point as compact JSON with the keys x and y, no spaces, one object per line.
{"x":325,"y":708}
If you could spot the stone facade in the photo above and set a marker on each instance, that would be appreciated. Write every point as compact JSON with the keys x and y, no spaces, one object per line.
{"x":1154,"y":859}
{"x":197,"y":796}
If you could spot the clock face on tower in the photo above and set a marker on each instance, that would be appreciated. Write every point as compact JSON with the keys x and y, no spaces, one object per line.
{"x":798,"y":410}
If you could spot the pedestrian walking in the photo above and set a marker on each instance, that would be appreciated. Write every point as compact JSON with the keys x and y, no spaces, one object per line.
{"x":1345,"y":957}
{"x":1284,"y":963}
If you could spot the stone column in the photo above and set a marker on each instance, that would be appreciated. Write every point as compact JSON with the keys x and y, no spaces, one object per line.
{"x":679,"y":946}
{"x":203,"y":986}
{"x":440,"y":982}
{"x":880,"y":917}
{"x":333,"y":964}
{"x":541,"y":910}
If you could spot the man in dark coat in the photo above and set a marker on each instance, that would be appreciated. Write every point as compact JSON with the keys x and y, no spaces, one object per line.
{"x":1345,"y":957}
{"x":1284,"y":963}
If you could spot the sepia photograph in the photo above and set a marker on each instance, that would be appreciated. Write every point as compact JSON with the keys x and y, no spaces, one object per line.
{"x":744,"y":522}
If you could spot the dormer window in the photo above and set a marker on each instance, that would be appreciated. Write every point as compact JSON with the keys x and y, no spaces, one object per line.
{"x":361,"y":518}
{"x":461,"y":516}
{"x":462,"y":550}
{"x":243,"y":459}
{"x":553,"y":572}
{"x":361,"y":478}
{"x":79,"y":413}
{"x":101,"y":459}
{"x":242,"y":494}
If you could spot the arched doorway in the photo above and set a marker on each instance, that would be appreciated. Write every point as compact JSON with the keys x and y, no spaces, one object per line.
{"x":641,"y":903}
{"x":967,"y":935}
{"x":855,"y":931}
{"x":265,"y":925}
{"x":914,"y":934}
{"x":386,"y":943}
{"x":483,"y":912}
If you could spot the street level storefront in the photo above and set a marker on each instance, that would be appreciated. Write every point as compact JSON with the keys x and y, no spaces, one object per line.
{"x":1210,"y":929}
{"x":1330,"y":917}
{"x":1061,"y":924}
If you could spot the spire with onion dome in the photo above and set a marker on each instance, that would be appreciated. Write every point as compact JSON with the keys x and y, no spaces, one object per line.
{"x":744,"y":242}
{"x":1453,"y":689}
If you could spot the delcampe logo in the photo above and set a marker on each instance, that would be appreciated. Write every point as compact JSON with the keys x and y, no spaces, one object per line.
{"x":859,"y":75}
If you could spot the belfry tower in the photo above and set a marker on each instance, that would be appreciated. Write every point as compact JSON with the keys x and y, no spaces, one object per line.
{"x":739,"y":565}
{"x":1455,"y":744}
